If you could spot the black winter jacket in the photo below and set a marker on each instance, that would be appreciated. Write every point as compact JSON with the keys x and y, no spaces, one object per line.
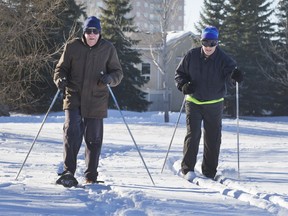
{"x":210,"y":75}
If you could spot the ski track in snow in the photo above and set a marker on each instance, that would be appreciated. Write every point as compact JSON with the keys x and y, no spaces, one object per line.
{"x":226,"y":186}
{"x":127,"y":190}
{"x":97,"y":198}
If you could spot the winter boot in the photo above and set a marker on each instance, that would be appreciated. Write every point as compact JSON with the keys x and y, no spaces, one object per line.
{"x":67,"y":180}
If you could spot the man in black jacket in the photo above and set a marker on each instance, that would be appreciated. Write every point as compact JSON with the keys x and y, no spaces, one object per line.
{"x":202,"y":76}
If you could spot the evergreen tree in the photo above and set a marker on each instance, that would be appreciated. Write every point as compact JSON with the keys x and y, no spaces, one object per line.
{"x":282,"y":48}
{"x":276,"y":52}
{"x":115,"y":25}
{"x":213,"y":14}
{"x":247,"y":26}
{"x":282,"y":23}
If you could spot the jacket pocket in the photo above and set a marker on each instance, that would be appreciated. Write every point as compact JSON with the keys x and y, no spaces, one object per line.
{"x":100,"y":100}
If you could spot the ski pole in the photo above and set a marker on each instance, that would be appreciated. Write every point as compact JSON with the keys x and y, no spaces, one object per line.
{"x":237,"y":119}
{"x":55,"y":97}
{"x":116,"y":103}
{"x":176,"y":125}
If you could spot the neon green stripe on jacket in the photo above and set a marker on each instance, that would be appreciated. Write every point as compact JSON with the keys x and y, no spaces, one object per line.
{"x":194,"y":100}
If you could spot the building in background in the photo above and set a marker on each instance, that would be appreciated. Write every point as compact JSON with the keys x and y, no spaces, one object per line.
{"x":145,"y":12}
{"x":178,"y":44}
{"x":146,"y":15}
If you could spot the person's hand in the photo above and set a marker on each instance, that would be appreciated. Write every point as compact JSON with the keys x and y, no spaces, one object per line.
{"x":62,"y":83}
{"x":188,"y":88}
{"x":106,"y":79}
{"x":237,"y":75}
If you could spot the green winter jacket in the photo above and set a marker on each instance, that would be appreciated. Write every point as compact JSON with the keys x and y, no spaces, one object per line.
{"x":82,"y":65}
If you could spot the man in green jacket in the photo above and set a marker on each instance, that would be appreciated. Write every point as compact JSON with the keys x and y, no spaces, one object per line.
{"x":202,"y":76}
{"x":85,"y":68}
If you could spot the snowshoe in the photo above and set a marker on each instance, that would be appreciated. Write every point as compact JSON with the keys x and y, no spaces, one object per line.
{"x":67,"y":180}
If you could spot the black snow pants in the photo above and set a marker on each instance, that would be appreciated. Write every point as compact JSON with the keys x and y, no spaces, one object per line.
{"x":75,"y":127}
{"x":211,"y":116}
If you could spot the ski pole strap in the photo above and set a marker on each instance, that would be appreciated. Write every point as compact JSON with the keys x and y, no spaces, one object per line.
{"x":198,"y":102}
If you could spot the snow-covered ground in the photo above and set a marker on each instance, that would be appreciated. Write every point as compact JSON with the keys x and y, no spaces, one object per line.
{"x":262,"y":188}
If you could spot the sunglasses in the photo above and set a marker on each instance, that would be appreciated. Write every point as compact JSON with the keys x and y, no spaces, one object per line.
{"x":90,"y":31}
{"x":209,"y":43}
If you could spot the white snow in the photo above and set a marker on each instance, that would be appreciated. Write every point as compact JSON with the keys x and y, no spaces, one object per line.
{"x":262,"y":188}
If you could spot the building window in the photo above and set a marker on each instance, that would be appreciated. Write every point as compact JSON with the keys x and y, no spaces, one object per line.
{"x":146,"y":71}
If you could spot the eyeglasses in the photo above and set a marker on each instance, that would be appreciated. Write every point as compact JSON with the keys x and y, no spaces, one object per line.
{"x":209,"y":43}
{"x":90,"y":31}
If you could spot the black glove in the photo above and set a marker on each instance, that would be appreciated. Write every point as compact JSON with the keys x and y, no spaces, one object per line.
{"x":62,"y":83}
{"x":106,"y":79}
{"x":188,"y":88}
{"x":237,"y":75}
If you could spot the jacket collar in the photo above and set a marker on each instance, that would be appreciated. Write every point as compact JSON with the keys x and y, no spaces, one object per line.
{"x":213,"y":56}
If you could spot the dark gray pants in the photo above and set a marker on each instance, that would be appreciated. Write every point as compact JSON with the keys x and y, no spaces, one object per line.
{"x":75,"y":127}
{"x":211,"y":116}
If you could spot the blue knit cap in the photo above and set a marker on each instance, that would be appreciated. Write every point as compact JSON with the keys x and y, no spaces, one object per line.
{"x":91,"y":22}
{"x":210,"y":33}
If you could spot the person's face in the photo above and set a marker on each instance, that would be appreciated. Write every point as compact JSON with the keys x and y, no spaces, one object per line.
{"x":92,"y":35}
{"x":209,"y":46}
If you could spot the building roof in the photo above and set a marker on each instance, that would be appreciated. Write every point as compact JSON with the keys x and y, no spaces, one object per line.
{"x":147,"y":39}
{"x":174,"y":36}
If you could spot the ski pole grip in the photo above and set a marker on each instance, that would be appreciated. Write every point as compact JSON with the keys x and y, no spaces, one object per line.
{"x":102,"y":73}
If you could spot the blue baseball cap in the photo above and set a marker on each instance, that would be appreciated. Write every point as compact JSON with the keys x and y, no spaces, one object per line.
{"x":210,"y":33}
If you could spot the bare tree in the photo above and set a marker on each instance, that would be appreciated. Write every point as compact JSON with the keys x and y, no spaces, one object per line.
{"x":161,"y":55}
{"x":28,"y":49}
